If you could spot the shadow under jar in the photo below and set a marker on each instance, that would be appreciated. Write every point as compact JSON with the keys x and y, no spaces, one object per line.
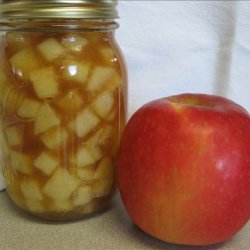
{"x":63,"y":97}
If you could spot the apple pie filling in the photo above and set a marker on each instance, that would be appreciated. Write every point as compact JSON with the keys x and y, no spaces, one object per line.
{"x":62,"y":103}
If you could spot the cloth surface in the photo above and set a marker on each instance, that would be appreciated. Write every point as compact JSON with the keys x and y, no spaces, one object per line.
{"x":174,"y":47}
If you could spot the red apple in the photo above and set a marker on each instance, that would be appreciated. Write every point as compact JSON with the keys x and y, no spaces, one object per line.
{"x":184,"y":168}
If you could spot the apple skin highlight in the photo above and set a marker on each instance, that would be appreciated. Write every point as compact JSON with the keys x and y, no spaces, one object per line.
{"x":184,"y":169}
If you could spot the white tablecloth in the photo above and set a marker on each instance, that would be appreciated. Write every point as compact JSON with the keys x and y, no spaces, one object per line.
{"x":185,"y":46}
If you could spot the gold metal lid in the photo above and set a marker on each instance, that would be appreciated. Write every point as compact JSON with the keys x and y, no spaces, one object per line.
{"x":70,"y":9}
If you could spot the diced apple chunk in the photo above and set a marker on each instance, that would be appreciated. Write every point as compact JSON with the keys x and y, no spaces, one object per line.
{"x":45,"y":82}
{"x":71,"y":102}
{"x":103,"y":137}
{"x":108,"y":54}
{"x":103,"y":104}
{"x":99,"y":77}
{"x":74,"y":42}
{"x":83,"y":158}
{"x":107,"y":135}
{"x":76,"y":71}
{"x":51,"y":49}
{"x":28,"y":108}
{"x":45,"y":119}
{"x":93,"y":144}
{"x":105,"y":169}
{"x":46,"y":163}
{"x":92,"y":206}
{"x":30,"y":189}
{"x":24,"y":62}
{"x":21,"y":162}
{"x":61,"y":185}
{"x":86,"y":174}
{"x":82,"y":196}
{"x":84,"y":123}
{"x":102,"y":187}
{"x":54,"y":138}
{"x":14,"y":136}
{"x":35,"y":206}
{"x":11,"y":99}
{"x":113,"y":84}
{"x":61,"y":205}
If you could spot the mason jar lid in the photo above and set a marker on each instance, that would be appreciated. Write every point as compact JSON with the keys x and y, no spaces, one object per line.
{"x":69,"y":9}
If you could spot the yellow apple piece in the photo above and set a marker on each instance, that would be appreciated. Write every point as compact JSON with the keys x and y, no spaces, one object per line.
{"x":28,"y":108}
{"x":24,"y":62}
{"x":64,"y":205}
{"x":99,"y":77}
{"x":114,"y":83}
{"x":75,"y":71}
{"x":102,"y":187}
{"x":14,"y":136}
{"x":103,"y":104}
{"x":83,"y":157}
{"x":30,"y":189}
{"x":103,"y":137}
{"x":45,"y":82}
{"x":54,"y":138}
{"x":105,"y":169}
{"x":84,"y":123}
{"x":74,"y":42}
{"x":107,"y":135}
{"x":82,"y":196}
{"x":92,"y":206}
{"x":20,"y":162}
{"x":61,"y":184}
{"x":46,"y":163}
{"x":11,"y":99}
{"x":70,"y":102}
{"x":86,"y":174}
{"x":35,"y":206}
{"x":45,"y":119}
{"x":108,"y":54}
{"x":93,"y":144}
{"x":51,"y":49}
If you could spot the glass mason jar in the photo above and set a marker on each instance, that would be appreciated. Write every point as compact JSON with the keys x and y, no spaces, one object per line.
{"x":62,"y":105}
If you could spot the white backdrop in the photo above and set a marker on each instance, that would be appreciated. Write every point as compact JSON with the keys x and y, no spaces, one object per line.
{"x":186,"y":46}
{"x":173,"y":47}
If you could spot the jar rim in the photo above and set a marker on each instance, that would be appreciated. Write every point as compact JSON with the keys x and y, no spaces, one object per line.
{"x":58,"y":9}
